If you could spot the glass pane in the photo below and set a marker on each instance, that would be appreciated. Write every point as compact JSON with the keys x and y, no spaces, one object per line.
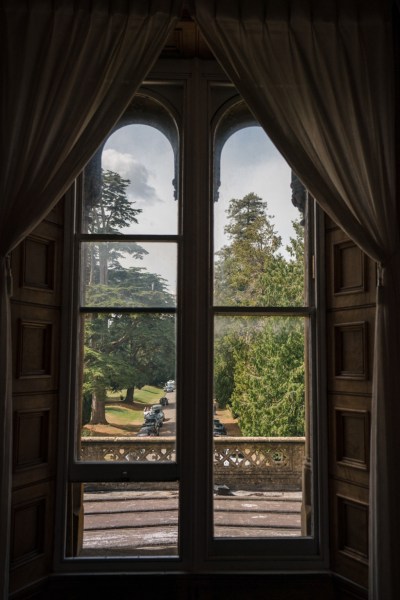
{"x":129,"y":274}
{"x":258,"y":235}
{"x":259,"y":426}
{"x":126,"y":414}
{"x":130,"y":519}
{"x":131,"y":191}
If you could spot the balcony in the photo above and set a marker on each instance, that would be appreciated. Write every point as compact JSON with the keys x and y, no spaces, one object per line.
{"x":257,"y":493}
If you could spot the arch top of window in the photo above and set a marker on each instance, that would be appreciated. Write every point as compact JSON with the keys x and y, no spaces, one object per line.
{"x":143,"y":110}
{"x":231,"y":119}
{"x":146,"y":110}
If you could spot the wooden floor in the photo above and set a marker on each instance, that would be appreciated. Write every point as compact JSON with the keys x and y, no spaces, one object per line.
{"x":145,"y":523}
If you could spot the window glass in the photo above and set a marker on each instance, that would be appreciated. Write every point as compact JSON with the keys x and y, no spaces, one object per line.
{"x":139,"y":519}
{"x":258,"y":232}
{"x":193,"y":343}
{"x":129,"y":274}
{"x":133,"y":190}
{"x":127,"y":358}
{"x":128,"y":297}
{"x":259,"y":418}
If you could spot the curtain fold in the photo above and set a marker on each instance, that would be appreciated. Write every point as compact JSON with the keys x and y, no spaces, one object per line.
{"x":69,"y":69}
{"x":319,"y":77}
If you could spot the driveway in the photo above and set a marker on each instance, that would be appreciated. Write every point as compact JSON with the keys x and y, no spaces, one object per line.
{"x":169,"y":425}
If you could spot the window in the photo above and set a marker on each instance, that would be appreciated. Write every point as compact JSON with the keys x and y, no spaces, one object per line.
{"x":194,"y":413}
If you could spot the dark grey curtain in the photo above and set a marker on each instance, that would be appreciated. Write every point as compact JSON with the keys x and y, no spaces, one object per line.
{"x":319,"y":77}
{"x":69,"y":69}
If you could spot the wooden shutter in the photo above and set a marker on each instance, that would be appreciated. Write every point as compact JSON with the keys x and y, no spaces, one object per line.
{"x":36,"y":307}
{"x":350,"y":293}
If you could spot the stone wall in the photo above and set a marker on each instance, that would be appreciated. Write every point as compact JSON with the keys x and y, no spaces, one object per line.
{"x":239,"y":462}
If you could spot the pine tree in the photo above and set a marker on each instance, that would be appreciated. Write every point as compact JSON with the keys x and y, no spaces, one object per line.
{"x":259,"y":362}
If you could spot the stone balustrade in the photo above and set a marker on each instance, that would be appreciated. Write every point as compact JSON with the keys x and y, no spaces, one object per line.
{"x":239,"y":462}
{"x":273,"y":463}
{"x":132,"y":449}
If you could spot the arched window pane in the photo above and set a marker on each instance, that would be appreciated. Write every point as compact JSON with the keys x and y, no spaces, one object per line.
{"x":132,"y":190}
{"x":258,"y":232}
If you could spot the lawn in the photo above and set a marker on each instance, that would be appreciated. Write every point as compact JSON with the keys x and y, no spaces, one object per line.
{"x":120,"y":414}
{"x":148,"y":394}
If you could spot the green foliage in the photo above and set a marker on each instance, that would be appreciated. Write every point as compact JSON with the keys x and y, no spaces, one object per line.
{"x":226,"y":353}
{"x":242,"y":264}
{"x":122,"y":350}
{"x":259,"y":363}
{"x":269,"y":380}
{"x":111,"y":210}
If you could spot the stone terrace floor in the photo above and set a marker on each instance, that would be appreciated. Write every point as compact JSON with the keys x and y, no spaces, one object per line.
{"x":145,"y":523}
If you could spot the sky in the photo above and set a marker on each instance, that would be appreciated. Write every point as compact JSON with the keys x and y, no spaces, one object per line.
{"x":249,"y":163}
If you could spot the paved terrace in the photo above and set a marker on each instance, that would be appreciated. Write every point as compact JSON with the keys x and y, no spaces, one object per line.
{"x":145,"y":523}
{"x":263,"y":476}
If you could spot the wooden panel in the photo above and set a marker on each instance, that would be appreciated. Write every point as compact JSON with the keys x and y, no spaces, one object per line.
{"x":351,"y":350}
{"x":35,"y":315}
{"x":352,"y":434}
{"x":186,"y":41}
{"x":349,"y":435}
{"x":35,"y":333}
{"x":31,"y":438}
{"x":350,"y":344}
{"x":350,"y":531}
{"x":31,"y":534}
{"x":34,"y":438}
{"x":28,"y":530}
{"x":353,"y":528}
{"x":350,"y":300}
{"x":35,"y":341}
{"x":351,"y":275}
{"x":37,"y":268}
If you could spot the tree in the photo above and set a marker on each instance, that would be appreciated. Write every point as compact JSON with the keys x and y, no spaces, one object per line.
{"x":241,"y":264}
{"x":259,"y":363}
{"x":121,"y":350}
{"x":108,"y":213}
{"x":226,"y":352}
{"x":127,"y":350}
{"x":269,"y":380}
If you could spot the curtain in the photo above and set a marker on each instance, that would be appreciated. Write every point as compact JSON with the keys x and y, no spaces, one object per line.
{"x":319,"y":77}
{"x":69,"y":70}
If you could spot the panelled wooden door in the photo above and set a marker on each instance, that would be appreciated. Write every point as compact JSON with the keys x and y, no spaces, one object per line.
{"x":350,"y":294}
{"x":36,"y":311}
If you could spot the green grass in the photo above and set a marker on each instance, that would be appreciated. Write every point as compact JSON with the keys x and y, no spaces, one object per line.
{"x":148,"y":394}
{"x":125,"y":414}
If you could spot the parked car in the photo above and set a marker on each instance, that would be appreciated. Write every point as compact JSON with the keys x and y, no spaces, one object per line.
{"x":218,"y":426}
{"x":169,"y":388}
{"x":148,"y":430}
{"x":218,"y":433}
{"x":153,"y":418}
{"x":156,"y":409}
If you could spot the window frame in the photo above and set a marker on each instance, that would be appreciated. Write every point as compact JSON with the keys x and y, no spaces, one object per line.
{"x":196,"y":79}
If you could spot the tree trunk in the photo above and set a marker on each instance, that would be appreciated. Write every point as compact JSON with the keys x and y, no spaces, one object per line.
{"x":98,"y":414}
{"x":129,"y":395}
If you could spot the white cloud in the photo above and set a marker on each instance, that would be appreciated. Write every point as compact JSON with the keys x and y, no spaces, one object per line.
{"x":128,"y":167}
